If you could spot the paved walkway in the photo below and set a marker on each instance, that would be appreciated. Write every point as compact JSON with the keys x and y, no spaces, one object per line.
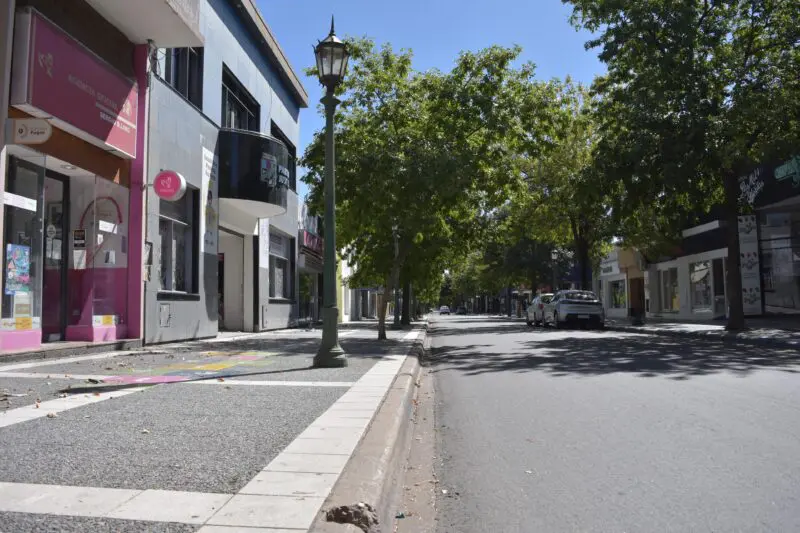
{"x":211,"y":436}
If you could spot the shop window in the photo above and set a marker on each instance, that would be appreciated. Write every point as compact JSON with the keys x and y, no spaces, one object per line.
{"x":700,"y":283}
{"x":239,"y":109}
{"x":183,"y":70}
{"x":276,"y":132}
{"x":22,"y":246}
{"x":179,"y":250}
{"x":670,"y":298}
{"x":619,"y":298}
{"x":281,"y":267}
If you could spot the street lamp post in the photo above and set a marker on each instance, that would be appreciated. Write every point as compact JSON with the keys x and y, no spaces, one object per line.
{"x":331,"y":55}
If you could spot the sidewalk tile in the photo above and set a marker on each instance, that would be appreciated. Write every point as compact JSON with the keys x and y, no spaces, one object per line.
{"x":61,"y":499}
{"x":291,"y":484}
{"x":321,"y":431}
{"x":171,"y":506}
{"x":322,"y":464}
{"x":343,"y":446}
{"x":334,"y":420}
{"x":268,"y":511}
{"x":226,"y":529}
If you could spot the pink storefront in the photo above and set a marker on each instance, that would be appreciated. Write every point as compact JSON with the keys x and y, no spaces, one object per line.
{"x":72,"y":214}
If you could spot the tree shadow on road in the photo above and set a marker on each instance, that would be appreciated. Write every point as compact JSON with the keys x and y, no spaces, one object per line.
{"x":645,"y":356}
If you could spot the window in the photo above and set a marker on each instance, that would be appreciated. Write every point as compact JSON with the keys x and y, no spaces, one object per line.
{"x":670,"y":299}
{"x":700,"y":282}
{"x":179,"y":250}
{"x":239,"y":109}
{"x":619,"y":298}
{"x":281,"y":267}
{"x":276,"y":132}
{"x":183,"y":70}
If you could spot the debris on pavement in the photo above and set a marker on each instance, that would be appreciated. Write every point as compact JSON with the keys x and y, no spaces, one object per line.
{"x":94,"y":381}
{"x":145,"y":431}
{"x":400,"y":514}
{"x":361,"y":515}
{"x":52,"y":415}
{"x":529,"y":471}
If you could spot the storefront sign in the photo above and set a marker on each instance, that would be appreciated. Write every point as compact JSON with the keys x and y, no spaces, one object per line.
{"x":312,"y":242}
{"x":789,"y":171}
{"x":169,"y":185}
{"x":23,"y":304}
{"x":749,"y":267}
{"x":30,"y":130}
{"x":283,"y":176}
{"x":210,"y":206}
{"x":24,"y":323}
{"x":69,"y":83}
{"x":269,"y":169}
{"x":79,"y":238}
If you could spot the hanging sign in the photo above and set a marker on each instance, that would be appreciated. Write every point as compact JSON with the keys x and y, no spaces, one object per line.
{"x":29,"y":130}
{"x":79,"y":238}
{"x":169,"y":185}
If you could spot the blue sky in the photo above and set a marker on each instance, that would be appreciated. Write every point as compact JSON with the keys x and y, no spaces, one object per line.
{"x":436,"y":31}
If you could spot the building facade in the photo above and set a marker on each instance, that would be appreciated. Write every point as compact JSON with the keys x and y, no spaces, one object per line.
{"x":310,"y":264}
{"x":225,"y":118}
{"x":73,"y":171}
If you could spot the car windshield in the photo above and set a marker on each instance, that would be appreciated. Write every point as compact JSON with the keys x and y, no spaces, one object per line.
{"x":579,"y":295}
{"x":545,"y":298}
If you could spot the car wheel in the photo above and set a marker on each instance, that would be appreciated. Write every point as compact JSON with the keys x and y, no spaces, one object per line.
{"x":556,"y":323}
{"x":528,"y":322}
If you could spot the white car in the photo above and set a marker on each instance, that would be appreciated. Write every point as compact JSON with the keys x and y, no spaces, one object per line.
{"x":444,"y":310}
{"x":575,"y":306}
{"x":536,"y":309}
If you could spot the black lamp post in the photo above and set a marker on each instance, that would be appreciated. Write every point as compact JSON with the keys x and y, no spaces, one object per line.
{"x":332,"y":56}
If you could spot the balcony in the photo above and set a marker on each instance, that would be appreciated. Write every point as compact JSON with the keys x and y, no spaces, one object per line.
{"x":168,"y":23}
{"x":253,"y":176}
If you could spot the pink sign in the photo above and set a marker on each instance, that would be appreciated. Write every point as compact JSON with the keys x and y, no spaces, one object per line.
{"x":70,"y":83}
{"x":169,"y":185}
{"x":312,"y":242}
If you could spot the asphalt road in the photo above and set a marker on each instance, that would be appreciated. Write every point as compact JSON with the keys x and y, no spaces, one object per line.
{"x":560,"y":431}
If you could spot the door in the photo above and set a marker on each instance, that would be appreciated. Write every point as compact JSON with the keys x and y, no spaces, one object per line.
{"x":232,"y":247}
{"x":221,"y":289}
{"x":54,"y":279}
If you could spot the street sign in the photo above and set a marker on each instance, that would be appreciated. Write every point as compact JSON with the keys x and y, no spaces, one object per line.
{"x":29,"y":130}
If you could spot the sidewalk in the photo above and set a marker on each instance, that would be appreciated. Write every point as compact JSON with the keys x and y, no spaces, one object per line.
{"x":212,"y":436}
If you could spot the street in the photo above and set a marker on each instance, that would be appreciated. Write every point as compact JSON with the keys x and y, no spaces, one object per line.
{"x":562,"y":431}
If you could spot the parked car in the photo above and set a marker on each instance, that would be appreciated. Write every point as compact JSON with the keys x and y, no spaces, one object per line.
{"x":461,"y":310}
{"x":535,"y":310}
{"x":573,"y":307}
{"x":444,"y":310}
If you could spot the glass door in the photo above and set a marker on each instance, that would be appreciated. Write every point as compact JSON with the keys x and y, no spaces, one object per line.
{"x":54,"y":280}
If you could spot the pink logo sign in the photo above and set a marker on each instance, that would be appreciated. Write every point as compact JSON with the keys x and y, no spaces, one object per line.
{"x":71,"y":84}
{"x":169,"y":185}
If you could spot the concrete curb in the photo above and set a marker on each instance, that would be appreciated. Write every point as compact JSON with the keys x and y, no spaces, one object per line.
{"x":728,"y":338}
{"x":374,"y":474}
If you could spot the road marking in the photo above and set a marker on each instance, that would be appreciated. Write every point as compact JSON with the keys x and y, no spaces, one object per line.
{"x":210,"y":381}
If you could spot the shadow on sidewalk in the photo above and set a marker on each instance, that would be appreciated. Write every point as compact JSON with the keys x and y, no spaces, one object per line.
{"x":644,"y":356}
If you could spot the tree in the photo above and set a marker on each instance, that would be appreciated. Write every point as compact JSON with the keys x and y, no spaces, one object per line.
{"x":421,"y":155}
{"x":697,"y":94}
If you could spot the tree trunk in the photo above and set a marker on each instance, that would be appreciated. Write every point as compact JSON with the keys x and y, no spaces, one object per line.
{"x":734,"y":281}
{"x":405,"y":319}
{"x":382,"y":316}
{"x":583,"y":263}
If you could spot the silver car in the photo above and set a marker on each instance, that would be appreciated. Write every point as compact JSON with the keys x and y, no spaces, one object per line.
{"x":536,"y":309}
{"x":573,"y":307}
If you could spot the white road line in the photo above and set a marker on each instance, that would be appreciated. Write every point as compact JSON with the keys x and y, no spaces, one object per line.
{"x":32,"y":412}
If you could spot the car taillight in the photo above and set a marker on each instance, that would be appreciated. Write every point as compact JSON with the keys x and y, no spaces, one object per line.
{"x":541,"y":306}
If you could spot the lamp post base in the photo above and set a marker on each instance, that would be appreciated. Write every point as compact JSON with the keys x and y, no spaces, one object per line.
{"x":330,"y":354}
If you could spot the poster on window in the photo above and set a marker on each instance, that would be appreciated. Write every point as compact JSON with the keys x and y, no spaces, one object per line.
{"x":750,"y":267}
{"x":210,"y":214}
{"x":18,"y":269}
